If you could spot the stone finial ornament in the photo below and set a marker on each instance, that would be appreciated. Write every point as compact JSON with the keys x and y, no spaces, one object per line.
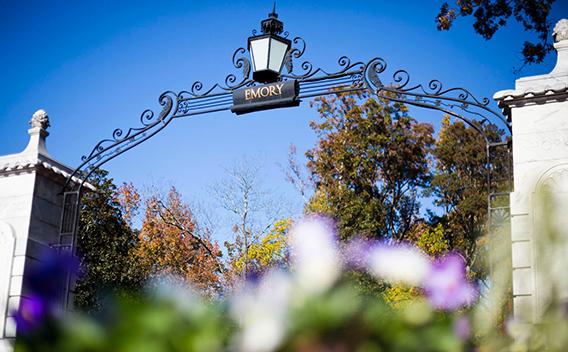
{"x":560,"y":32}
{"x":40,"y":119}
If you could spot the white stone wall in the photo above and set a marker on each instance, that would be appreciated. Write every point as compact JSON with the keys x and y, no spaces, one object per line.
{"x":30,"y":212}
{"x":7,"y":243}
{"x":538,"y":108}
{"x":540,"y":146}
{"x":16,"y":194}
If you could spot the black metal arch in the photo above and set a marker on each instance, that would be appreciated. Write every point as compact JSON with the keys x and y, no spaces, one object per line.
{"x":313,"y":82}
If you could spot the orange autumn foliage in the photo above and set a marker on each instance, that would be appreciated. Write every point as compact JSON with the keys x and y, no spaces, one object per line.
{"x":169,"y":244}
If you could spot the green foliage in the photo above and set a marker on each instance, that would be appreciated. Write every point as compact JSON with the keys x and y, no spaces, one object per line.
{"x":270,"y":251}
{"x":105,"y":241}
{"x":491,"y":15}
{"x":146,"y":323}
{"x":399,"y":296}
{"x":433,"y":241}
{"x":369,"y":165}
{"x":342,"y":319}
{"x":345,"y":320}
{"x":459,"y":183}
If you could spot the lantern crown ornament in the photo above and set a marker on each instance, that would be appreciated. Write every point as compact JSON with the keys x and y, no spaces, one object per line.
{"x":268,"y":50}
{"x":272,"y":25}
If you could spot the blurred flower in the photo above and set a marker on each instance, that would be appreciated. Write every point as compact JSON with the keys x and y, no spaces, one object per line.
{"x":446,"y":285}
{"x":356,"y":253}
{"x":175,"y":289}
{"x":31,"y":314}
{"x":398,"y":264}
{"x":462,"y":328}
{"x":48,"y":276}
{"x":315,"y":259}
{"x":261,"y":311}
{"x":254,"y":275}
{"x":44,"y":283}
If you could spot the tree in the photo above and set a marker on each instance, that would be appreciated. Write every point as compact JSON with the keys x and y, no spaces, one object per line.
{"x":104,"y":244}
{"x":129,"y":200}
{"x":169,"y":244}
{"x":490,"y":15}
{"x":269,"y":252}
{"x":460,"y":180}
{"x":369,"y":166}
{"x":253,"y":211}
{"x":295,"y":174}
{"x":432,"y":240}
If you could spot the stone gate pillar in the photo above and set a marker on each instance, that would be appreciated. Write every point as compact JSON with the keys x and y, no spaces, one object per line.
{"x":538,"y":109}
{"x":30,"y":213}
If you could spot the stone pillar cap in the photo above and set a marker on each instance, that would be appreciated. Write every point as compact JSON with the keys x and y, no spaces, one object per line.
{"x":38,"y":133}
{"x":560,"y":32}
{"x":560,"y":35}
{"x":40,"y":119}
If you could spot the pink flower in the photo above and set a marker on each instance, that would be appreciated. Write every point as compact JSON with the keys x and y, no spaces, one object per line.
{"x":446,"y":285}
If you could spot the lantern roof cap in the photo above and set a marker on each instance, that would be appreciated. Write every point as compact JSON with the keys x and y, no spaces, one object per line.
{"x":272,"y":25}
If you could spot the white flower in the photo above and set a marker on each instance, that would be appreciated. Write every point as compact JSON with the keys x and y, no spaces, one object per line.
{"x":262,"y":313}
{"x":397,"y":263}
{"x":315,"y":259}
{"x":175,"y":289}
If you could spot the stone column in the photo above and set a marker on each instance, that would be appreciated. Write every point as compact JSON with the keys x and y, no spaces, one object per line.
{"x":30,"y":213}
{"x":538,"y":109}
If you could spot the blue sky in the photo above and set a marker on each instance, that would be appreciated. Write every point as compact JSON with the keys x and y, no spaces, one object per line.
{"x":95,"y":66}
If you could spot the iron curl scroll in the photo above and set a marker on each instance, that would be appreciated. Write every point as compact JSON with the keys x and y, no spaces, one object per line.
{"x":121,"y":141}
{"x":231,"y":82}
{"x":433,"y":96}
{"x":310,"y":72}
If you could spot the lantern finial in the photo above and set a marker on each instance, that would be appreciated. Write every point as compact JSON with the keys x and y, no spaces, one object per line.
{"x":272,"y":25}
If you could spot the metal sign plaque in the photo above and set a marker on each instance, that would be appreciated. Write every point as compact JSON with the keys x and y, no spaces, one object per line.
{"x":264,"y":97}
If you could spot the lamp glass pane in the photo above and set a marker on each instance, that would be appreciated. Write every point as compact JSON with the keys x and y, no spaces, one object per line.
{"x":277,"y":52}
{"x":259,"y":53}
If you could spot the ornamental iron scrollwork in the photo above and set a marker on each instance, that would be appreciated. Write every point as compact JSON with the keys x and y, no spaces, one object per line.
{"x":474,"y":111}
{"x":313,"y":81}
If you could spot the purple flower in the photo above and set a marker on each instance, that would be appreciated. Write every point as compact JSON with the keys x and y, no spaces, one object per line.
{"x":462,"y":328}
{"x":254,"y":275}
{"x":356,"y":253}
{"x":31,"y":314}
{"x":47,"y":278}
{"x":44,"y":286}
{"x":446,"y":285}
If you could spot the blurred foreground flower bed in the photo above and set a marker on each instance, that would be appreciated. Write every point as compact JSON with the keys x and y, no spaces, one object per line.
{"x":316,"y":305}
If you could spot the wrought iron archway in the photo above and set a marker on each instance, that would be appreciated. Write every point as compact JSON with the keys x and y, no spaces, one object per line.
{"x":313,"y":82}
